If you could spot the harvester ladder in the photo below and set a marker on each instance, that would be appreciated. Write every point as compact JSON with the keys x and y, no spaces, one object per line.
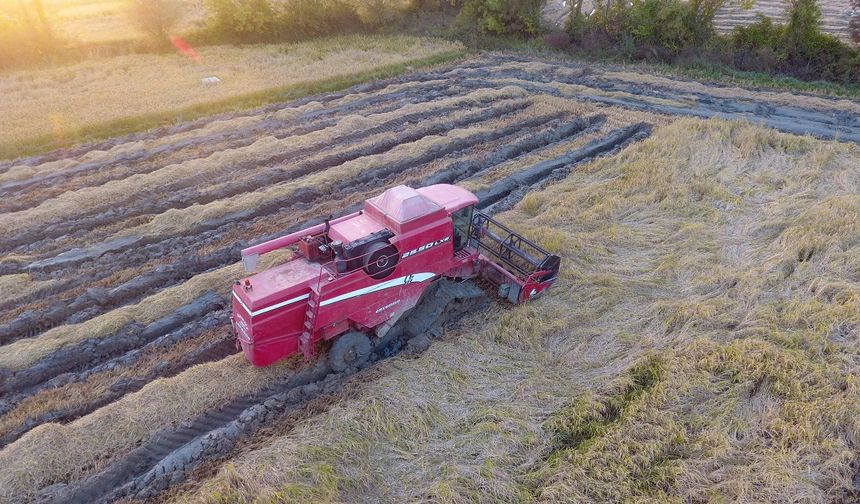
{"x":313,"y":308}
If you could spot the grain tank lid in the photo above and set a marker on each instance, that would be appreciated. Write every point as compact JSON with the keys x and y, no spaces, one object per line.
{"x":403,"y":204}
{"x":449,"y":196}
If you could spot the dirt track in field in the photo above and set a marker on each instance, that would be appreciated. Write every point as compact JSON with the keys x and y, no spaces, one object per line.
{"x":120,"y":254}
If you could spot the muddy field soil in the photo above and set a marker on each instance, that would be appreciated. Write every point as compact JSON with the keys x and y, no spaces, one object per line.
{"x":118,"y":256}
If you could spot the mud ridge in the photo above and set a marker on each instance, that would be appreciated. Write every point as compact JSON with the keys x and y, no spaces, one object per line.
{"x":146,"y":160}
{"x":96,"y":350}
{"x":186,"y":192}
{"x":212,"y":350}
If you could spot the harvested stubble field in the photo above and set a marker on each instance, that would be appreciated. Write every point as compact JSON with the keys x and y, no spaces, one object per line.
{"x":701,"y":344}
{"x":54,"y":107}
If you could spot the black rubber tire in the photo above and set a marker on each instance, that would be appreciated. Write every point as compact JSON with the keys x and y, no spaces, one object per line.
{"x":350,"y":349}
{"x":380,"y":260}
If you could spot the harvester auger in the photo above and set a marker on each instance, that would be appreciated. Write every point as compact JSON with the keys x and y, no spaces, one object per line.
{"x":353,"y":277}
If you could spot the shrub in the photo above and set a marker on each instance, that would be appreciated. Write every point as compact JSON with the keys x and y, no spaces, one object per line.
{"x":296,"y":20}
{"x":503,"y":17}
{"x":375,"y":14}
{"x":242,"y":20}
{"x":558,"y":40}
{"x":797,"y":48}
{"x":669,"y":24}
{"x":155,"y":17}
{"x":661,"y":28}
{"x":675,"y":30}
{"x":304,"y":19}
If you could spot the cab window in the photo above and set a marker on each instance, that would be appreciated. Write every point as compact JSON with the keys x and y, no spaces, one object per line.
{"x":462,"y":220}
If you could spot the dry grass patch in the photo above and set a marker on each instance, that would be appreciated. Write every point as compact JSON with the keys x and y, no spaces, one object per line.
{"x":676,"y":360}
{"x":63,"y":100}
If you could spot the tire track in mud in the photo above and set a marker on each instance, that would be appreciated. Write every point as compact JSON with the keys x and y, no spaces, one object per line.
{"x":207,"y":351}
{"x":189,"y":190}
{"x":91,"y":352}
{"x":98,"y":300}
{"x":144,"y":160}
{"x":369,"y":181}
{"x":166,"y":457}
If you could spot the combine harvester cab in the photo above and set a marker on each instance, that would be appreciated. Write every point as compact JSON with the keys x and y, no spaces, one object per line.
{"x":359,"y":273}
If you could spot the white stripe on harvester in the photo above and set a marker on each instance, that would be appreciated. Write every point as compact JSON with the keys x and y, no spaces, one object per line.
{"x":396,"y":282}
{"x":270,"y":308}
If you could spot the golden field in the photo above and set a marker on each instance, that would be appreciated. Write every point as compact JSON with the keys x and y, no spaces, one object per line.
{"x":57,"y":102}
{"x":700,"y":343}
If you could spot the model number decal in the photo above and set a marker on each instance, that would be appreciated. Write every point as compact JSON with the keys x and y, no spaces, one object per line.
{"x":242,"y":327}
{"x":426,"y":246}
{"x":389,"y":305}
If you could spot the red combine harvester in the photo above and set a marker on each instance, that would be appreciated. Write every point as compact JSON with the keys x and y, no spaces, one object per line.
{"x":353,"y":277}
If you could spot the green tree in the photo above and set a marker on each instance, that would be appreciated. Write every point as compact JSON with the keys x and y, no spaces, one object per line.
{"x":804,"y":22}
{"x":242,"y":20}
{"x":503,"y":17}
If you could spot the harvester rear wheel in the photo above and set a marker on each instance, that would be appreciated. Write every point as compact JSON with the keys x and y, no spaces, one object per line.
{"x":351,"y":349}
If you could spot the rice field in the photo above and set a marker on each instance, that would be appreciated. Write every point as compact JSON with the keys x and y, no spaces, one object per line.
{"x":52,"y":106}
{"x":700,"y":342}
